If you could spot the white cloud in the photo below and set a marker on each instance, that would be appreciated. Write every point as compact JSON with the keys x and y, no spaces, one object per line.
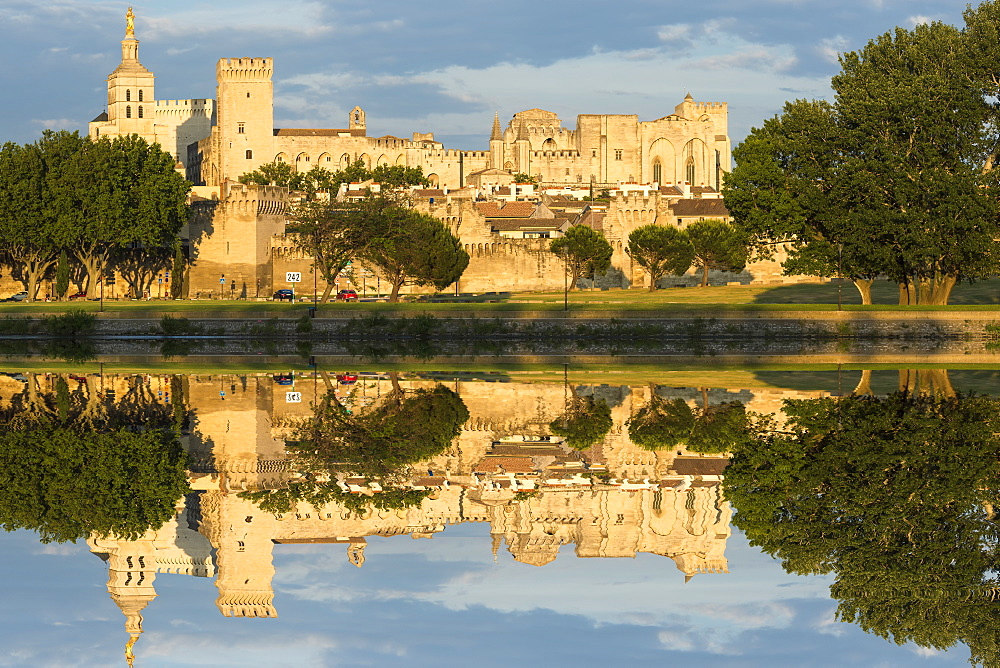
{"x":831,"y":48}
{"x":918,"y":19}
{"x":297,"y":17}
{"x":56,"y":123}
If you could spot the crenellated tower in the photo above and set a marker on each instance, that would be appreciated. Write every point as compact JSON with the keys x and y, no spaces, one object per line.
{"x":244,"y":131}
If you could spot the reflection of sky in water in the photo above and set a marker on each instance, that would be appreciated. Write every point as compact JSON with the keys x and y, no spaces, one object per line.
{"x":441,"y":602}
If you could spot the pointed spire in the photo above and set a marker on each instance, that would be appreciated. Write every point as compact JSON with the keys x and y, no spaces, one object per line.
{"x":522,"y":132}
{"x":496,"y":133}
{"x":688,"y":98}
{"x":496,"y":545}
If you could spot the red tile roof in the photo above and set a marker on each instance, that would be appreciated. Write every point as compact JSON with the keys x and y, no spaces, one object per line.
{"x":508,"y":210}
{"x":505,"y":465}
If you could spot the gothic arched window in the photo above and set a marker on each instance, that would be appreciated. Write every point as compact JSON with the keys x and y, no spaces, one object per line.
{"x":657,"y":171}
{"x":140,"y":111}
{"x":140,"y":95}
{"x":690,"y":171}
{"x":128,"y":95}
{"x":128,"y":112}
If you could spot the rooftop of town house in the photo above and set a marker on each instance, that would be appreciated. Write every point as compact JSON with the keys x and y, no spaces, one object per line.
{"x":318,"y":132}
{"x":708,"y":208}
{"x":700,"y":465}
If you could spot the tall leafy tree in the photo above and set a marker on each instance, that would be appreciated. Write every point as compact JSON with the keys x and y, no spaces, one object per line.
{"x":585,"y":422}
{"x":660,"y":250}
{"x":717,"y":245}
{"x":74,"y":465}
{"x":420,"y":250}
{"x":336,"y":233}
{"x":62,"y":276}
{"x":29,"y":218}
{"x":895,"y":496}
{"x":381,"y":445}
{"x":896,"y":177}
{"x":584,"y":250}
{"x":113,"y":193}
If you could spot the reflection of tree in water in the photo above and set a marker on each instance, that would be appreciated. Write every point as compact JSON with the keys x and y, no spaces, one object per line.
{"x":380,"y":445}
{"x":710,"y":428}
{"x":585,"y":422}
{"x":896,"y":496}
{"x":74,"y":464}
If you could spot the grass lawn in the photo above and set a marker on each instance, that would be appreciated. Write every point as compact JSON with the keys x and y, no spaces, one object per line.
{"x":672,"y":301}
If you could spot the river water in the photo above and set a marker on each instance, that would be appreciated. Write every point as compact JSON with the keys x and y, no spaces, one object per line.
{"x":271,"y":513}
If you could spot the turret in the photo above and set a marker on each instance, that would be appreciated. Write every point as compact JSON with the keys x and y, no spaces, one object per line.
{"x":496,"y":144}
{"x":131,"y":103}
{"x":245,"y":115}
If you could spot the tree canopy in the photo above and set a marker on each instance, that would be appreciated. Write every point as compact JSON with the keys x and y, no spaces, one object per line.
{"x":717,"y":245}
{"x":73,"y":465}
{"x":381,"y":445}
{"x":318,"y":178}
{"x":418,"y":250}
{"x":585,"y":251}
{"x":88,"y":198}
{"x":660,"y":250}
{"x":896,"y":177}
{"x":895,"y":496}
{"x":585,"y":422}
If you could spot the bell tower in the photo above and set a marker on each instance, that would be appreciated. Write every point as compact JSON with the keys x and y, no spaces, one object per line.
{"x":131,"y":102}
{"x":245,"y":116}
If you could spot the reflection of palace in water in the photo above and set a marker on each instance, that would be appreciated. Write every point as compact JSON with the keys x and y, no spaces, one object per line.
{"x":505,"y":469}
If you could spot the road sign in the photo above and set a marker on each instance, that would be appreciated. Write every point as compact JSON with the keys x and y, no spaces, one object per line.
{"x":293,"y":276}
{"x":293,"y":397}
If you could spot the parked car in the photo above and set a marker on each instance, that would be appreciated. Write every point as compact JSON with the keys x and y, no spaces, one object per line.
{"x":78,"y":295}
{"x":347,"y":296}
{"x":16,"y":297}
{"x":284,"y":295}
{"x":284,"y":379}
{"x":347,"y":378}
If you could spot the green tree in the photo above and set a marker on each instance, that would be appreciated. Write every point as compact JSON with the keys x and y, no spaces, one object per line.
{"x":420,"y":250}
{"x":178,"y":272}
{"x":585,"y":422}
{"x":521,"y":177}
{"x":380,"y":445}
{"x":895,"y":496}
{"x":273,"y":174}
{"x":584,"y":250}
{"x":73,"y":464}
{"x":62,"y":276}
{"x":894,"y":178}
{"x":139,"y":265}
{"x":661,"y":423}
{"x":112,"y":193}
{"x":29,"y":222}
{"x":717,"y":245}
{"x":660,"y":250}
{"x":335,"y":233}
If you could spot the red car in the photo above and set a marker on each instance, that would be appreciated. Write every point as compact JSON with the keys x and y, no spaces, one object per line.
{"x":347,"y":296}
{"x":347,"y":378}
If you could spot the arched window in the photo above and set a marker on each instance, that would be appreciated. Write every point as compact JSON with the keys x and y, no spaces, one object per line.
{"x":140,"y":95}
{"x":690,"y":171}
{"x":657,"y":171}
{"x":128,"y":111}
{"x":140,"y":111}
{"x":128,"y":95}
{"x":249,"y":154}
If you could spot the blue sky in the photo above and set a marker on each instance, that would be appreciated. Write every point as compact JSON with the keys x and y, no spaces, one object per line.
{"x":445,"y":66}
{"x":442,"y":602}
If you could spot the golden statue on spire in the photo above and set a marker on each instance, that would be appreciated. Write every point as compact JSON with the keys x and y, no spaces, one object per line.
{"x":129,"y":23}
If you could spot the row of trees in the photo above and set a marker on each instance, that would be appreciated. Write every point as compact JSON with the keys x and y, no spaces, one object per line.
{"x":317,"y":179}
{"x":69,"y":205}
{"x":659,"y":249}
{"x":897,"y":176}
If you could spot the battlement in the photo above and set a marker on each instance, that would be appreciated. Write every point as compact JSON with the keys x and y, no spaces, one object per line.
{"x":244,"y":69}
{"x":186,"y":104}
{"x":711,"y":107}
